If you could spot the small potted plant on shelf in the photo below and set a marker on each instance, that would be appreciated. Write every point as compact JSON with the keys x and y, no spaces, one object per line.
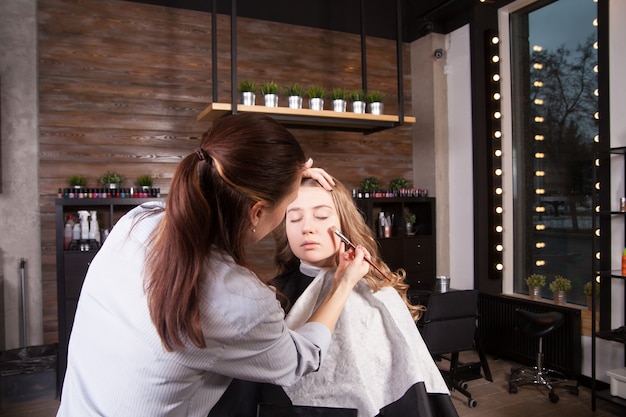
{"x":111,"y":179}
{"x":339,"y":96}
{"x":535,"y":283}
{"x":145,"y":181}
{"x":316,"y":97}
{"x":409,"y":223}
{"x":398,"y":184}
{"x":270,"y":93}
{"x":369,"y":185}
{"x":294,"y":96}
{"x":77,"y":181}
{"x":588,"y":289}
{"x":357,"y":97}
{"x":375,"y":100}
{"x":559,"y":286}
{"x":247,"y":89}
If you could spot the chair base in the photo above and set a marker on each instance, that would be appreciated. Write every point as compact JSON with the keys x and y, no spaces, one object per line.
{"x":548,"y":378}
{"x":455,"y":384}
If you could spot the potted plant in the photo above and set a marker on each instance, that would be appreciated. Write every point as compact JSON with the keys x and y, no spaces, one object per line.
{"x":369,"y":185}
{"x":247,"y":89}
{"x":145,"y":181}
{"x":111,"y":179}
{"x":77,"y":181}
{"x":339,"y":96}
{"x":397,"y":184}
{"x":535,"y":283}
{"x":270,"y":93}
{"x":357,"y":97}
{"x":294,"y":96}
{"x":559,"y":286}
{"x":588,"y":290}
{"x":316,"y":97}
{"x":375,"y":99}
{"x":409,"y":223}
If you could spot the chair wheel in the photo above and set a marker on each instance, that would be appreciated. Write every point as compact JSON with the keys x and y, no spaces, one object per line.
{"x":512,"y":389}
{"x":464,"y":385}
{"x":553,"y":397}
{"x":471,"y":403}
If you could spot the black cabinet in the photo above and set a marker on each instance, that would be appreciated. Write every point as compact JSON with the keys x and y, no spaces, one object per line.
{"x":608,"y":219}
{"x":414,"y":249}
{"x":72,"y":265}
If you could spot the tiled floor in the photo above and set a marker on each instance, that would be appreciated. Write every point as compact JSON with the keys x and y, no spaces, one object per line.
{"x":493,"y":399}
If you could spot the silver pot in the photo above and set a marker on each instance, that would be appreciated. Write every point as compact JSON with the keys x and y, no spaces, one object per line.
{"x":248,"y":98}
{"x":339,"y":105}
{"x":376,"y":108}
{"x":271,"y":100}
{"x":295,"y":102}
{"x":316,"y":103}
{"x":358,"y":106}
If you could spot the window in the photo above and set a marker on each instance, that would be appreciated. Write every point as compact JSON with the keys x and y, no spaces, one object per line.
{"x":554,"y":124}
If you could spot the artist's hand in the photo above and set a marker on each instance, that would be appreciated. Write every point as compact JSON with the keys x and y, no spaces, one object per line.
{"x":318,"y":174}
{"x":352,"y":265}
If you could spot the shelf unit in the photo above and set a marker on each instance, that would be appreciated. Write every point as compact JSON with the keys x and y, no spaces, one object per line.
{"x":299,"y":118}
{"x":415,"y":253}
{"x":306,"y":118}
{"x":72,"y":265}
{"x":608,"y":222}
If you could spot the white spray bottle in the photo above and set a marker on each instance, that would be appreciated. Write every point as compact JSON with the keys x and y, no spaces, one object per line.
{"x":83,"y":216}
{"x":94,"y":228}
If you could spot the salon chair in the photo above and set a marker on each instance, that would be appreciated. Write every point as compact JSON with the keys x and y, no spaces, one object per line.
{"x":539,"y":325}
{"x":448,"y":328}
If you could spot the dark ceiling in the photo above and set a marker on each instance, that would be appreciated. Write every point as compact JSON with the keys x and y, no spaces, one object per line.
{"x":419,"y":17}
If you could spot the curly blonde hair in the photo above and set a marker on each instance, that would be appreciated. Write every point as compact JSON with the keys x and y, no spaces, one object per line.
{"x":353,"y":226}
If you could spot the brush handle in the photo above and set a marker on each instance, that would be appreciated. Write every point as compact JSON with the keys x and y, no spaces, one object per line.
{"x":351,"y":245}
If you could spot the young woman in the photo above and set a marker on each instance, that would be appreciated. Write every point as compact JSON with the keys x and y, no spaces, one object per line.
{"x":377,"y":361}
{"x":170,"y":312}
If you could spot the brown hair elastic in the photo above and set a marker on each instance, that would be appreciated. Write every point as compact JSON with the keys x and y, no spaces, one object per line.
{"x":202,"y":155}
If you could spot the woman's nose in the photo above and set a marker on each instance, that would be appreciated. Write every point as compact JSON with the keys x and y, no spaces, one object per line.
{"x":307,"y":226}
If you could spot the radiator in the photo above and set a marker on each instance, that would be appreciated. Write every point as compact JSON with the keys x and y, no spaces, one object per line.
{"x":562,"y":348}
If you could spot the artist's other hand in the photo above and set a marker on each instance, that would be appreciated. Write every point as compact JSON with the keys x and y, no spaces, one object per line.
{"x":318,"y":174}
{"x":352,"y":265}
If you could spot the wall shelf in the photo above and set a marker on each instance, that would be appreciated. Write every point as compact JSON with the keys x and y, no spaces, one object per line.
{"x":322,"y":119}
{"x":306,"y":118}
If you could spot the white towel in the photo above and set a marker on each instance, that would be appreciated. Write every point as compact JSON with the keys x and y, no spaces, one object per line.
{"x":376,"y":352}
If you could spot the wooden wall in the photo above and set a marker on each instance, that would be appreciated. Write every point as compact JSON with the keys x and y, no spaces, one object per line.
{"x":121,"y":83}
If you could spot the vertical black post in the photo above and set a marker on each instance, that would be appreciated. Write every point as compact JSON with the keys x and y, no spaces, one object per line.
{"x":214,"y":49}
{"x":363,"y":49}
{"x":233,"y":56}
{"x":399,"y":61}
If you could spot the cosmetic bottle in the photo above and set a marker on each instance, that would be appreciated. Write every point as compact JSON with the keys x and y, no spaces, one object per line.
{"x":67,"y":233}
{"x":83,"y":216}
{"x":624,"y":263}
{"x":94,"y":228}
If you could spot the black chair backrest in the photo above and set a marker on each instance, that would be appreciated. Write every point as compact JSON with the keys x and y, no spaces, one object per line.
{"x":449,"y":323}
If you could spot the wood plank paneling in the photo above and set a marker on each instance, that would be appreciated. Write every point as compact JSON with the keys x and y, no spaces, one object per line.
{"x":121,"y":83}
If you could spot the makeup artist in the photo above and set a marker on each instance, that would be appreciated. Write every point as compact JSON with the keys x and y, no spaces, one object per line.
{"x":170,"y":311}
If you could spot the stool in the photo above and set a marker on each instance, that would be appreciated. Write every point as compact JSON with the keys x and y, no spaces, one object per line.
{"x":539,"y":325}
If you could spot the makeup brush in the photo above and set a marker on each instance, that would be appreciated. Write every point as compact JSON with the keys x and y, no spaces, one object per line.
{"x":351,"y":245}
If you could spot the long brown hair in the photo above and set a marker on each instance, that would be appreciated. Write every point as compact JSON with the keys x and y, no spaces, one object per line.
{"x":353,"y":226}
{"x":241,"y":160}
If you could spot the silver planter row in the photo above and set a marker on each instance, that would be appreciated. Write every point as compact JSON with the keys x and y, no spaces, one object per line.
{"x":295,"y":102}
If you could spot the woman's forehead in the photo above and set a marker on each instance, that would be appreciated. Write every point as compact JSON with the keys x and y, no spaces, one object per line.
{"x":312,"y":197}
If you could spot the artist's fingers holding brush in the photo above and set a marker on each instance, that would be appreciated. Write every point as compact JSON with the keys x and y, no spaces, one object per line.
{"x":352,"y":265}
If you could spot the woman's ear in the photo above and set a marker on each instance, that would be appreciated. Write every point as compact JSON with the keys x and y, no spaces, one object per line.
{"x":256,"y":211}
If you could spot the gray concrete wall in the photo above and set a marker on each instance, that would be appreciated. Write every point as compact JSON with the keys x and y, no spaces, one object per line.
{"x":19,"y":199}
{"x":430,"y":135}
